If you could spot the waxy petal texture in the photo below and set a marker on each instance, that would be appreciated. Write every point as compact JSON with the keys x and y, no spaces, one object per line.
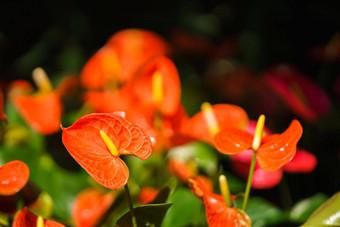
{"x":226,"y":115}
{"x":232,"y":141}
{"x":274,"y":152}
{"x":26,"y":219}
{"x":84,"y":143}
{"x":218,"y":214}
{"x":13,"y":177}
{"x":279,"y":149}
{"x":171,"y":91}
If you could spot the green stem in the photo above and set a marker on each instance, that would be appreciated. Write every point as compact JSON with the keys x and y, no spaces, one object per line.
{"x":250,"y":177}
{"x":133,"y":216}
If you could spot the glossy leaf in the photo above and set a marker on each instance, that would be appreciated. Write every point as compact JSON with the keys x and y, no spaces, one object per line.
{"x":84,"y":143}
{"x":263,"y":213}
{"x":13,"y":177}
{"x":304,"y":208}
{"x":328,"y":214}
{"x":146,"y":215}
{"x":186,"y":210}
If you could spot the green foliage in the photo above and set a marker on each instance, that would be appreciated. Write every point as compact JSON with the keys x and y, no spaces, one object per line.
{"x":304,"y":208}
{"x":262,"y":213}
{"x":328,"y":214}
{"x":150,"y":215}
{"x":186,"y":210}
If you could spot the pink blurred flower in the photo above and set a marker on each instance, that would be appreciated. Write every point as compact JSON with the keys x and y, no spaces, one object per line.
{"x":303,"y":96}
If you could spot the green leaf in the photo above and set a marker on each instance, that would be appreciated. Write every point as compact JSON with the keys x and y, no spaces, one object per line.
{"x":187,"y":210}
{"x":304,"y":208}
{"x":150,"y":215}
{"x":328,"y":214}
{"x":165,"y":191}
{"x":262,"y":213}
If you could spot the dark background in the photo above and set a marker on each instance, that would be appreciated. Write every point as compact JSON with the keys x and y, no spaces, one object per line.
{"x":62,"y":35}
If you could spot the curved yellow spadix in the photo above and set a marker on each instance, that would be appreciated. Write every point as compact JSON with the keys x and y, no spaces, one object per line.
{"x":108,"y":142}
{"x":258,"y":132}
{"x":210,"y":118}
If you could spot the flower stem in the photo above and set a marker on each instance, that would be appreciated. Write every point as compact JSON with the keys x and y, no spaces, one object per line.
{"x":133,"y":217}
{"x":250,"y":177}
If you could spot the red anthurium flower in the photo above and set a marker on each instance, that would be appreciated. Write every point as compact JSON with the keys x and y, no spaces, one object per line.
{"x":205,"y":124}
{"x":96,"y":141}
{"x":118,"y":61}
{"x":102,"y":69}
{"x":13,"y":177}
{"x":90,"y":205}
{"x":42,"y":111}
{"x":147,"y":194}
{"x":303,"y":161}
{"x":26,"y":219}
{"x":2,"y":114}
{"x":135,"y":47}
{"x":168,"y":131}
{"x":158,"y":86}
{"x":110,"y":101}
{"x":274,"y":151}
{"x":304,"y":97}
{"x":218,"y":214}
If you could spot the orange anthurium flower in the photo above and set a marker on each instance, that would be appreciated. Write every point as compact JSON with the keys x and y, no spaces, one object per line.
{"x":180,"y":169}
{"x":26,"y":219}
{"x":2,"y":114}
{"x":135,"y":47}
{"x":158,"y":86}
{"x":110,"y":101}
{"x":42,"y":110}
{"x":205,"y":124}
{"x":118,"y":61}
{"x":218,"y":214}
{"x":13,"y":177}
{"x":96,"y":141}
{"x":90,"y":205}
{"x":103,"y":68}
{"x":168,"y":130}
{"x":274,"y":151}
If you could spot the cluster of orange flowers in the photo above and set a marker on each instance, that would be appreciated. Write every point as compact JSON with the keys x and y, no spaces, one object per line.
{"x":133,"y":91}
